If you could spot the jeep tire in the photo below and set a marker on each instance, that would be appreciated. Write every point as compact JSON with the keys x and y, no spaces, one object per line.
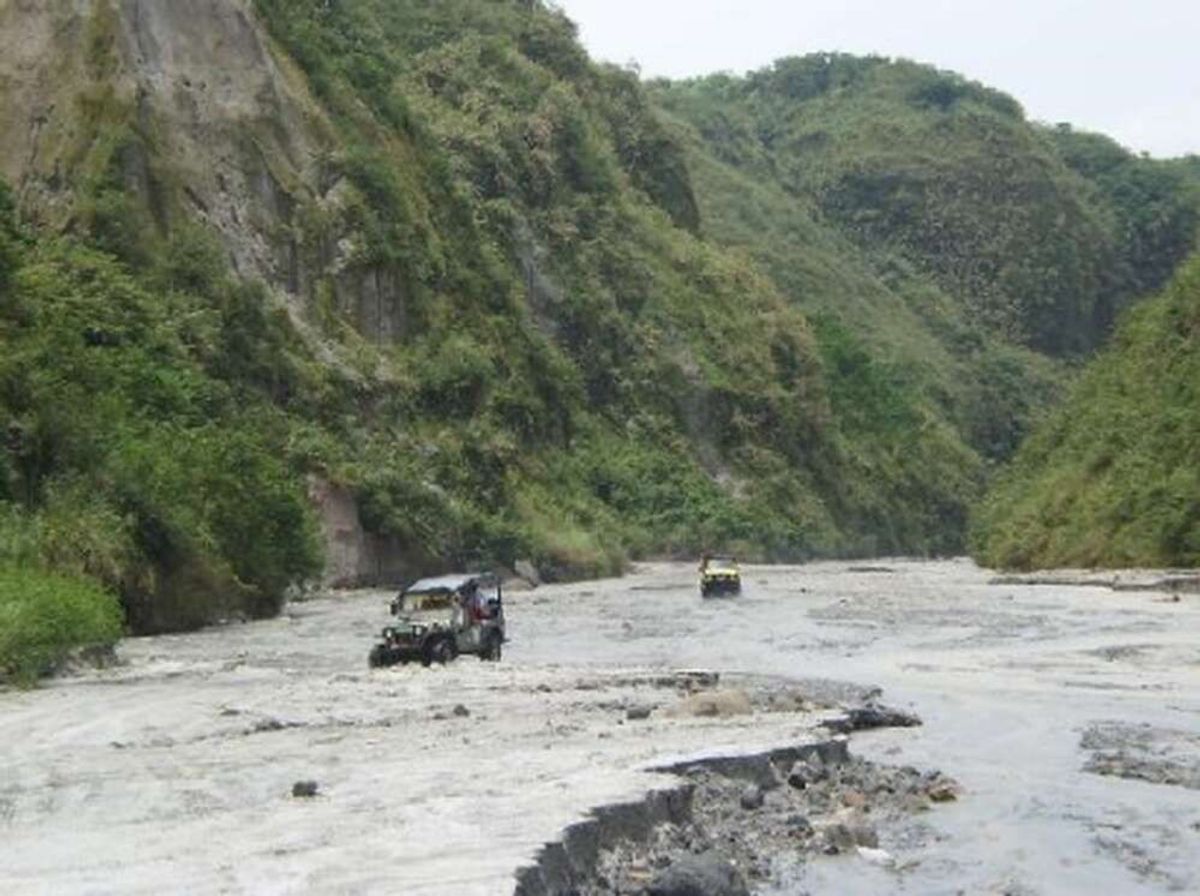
{"x":492,"y":648}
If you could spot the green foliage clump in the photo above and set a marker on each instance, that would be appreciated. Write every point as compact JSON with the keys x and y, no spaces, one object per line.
{"x":1112,"y":478}
{"x":44,"y":615}
{"x":142,"y":447}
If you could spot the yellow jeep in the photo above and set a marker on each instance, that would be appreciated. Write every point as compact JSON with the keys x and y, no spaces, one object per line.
{"x":719,"y":575}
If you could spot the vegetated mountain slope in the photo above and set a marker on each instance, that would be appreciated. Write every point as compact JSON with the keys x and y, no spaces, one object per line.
{"x":431,"y":259}
{"x":1113,"y":477}
{"x":961,"y":244}
{"x":424,"y":255}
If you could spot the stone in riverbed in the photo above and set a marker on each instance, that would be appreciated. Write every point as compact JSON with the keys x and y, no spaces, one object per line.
{"x":305,"y":789}
{"x":846,"y":832}
{"x":863,"y":718}
{"x":752,"y":797}
{"x":714,"y":704}
{"x":805,"y":772}
{"x":708,"y":874}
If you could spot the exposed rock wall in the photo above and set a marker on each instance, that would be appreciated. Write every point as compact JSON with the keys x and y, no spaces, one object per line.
{"x":235,"y":124}
{"x":353,"y":556}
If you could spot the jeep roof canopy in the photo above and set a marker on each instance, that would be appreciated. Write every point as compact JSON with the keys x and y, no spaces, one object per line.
{"x":450,"y":583}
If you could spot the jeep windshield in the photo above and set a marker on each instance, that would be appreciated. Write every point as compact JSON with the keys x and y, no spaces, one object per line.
{"x":441,"y":598}
{"x":720,"y":565}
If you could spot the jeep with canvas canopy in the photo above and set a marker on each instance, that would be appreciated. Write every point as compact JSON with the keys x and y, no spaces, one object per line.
{"x":439,"y":618}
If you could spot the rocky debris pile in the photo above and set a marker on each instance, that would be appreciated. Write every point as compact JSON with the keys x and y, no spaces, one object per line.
{"x":748,"y":821}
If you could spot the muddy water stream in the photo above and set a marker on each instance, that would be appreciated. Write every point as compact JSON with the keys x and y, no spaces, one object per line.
{"x":1069,"y":715}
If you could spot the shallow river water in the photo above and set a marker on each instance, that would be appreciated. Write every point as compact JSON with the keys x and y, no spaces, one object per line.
{"x":173,"y":771}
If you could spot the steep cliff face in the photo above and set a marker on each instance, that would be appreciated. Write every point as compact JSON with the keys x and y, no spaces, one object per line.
{"x":186,"y":101}
{"x":138,"y":118}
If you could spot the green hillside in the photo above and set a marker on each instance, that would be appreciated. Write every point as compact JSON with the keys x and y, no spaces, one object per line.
{"x":1039,"y":234}
{"x":1112,"y":479}
{"x":925,"y":213}
{"x":514,"y":304}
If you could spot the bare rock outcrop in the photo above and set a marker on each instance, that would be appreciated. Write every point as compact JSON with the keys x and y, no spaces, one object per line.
{"x":229,"y":132}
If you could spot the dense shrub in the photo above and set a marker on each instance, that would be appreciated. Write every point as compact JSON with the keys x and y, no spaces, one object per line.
{"x":44,"y":615}
{"x":1111,"y":479}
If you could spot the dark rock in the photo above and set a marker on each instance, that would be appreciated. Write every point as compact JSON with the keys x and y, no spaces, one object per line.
{"x":804,"y":773}
{"x":828,"y":753}
{"x":752,"y":797}
{"x":704,"y":875}
{"x":461,"y":711}
{"x":942,"y":790}
{"x":800,"y":825}
{"x":305,"y":789}
{"x":866,"y":717}
{"x":636,"y":713}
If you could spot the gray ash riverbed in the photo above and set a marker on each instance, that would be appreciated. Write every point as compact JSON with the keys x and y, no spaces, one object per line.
{"x":1065,"y":712}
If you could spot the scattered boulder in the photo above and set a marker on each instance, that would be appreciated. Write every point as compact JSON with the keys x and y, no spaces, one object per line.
{"x":305,"y":790}
{"x":708,"y":874}
{"x":942,"y":790}
{"x":461,"y":711}
{"x":800,"y":825}
{"x":828,"y":752}
{"x":752,"y":797}
{"x":714,"y":704}
{"x":846,"y":832}
{"x":805,"y":772}
{"x":637,"y":713}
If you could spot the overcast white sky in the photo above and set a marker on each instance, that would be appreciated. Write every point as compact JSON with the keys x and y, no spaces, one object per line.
{"x":1128,"y":69}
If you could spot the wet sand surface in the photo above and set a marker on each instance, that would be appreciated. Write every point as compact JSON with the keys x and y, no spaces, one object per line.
{"x":1069,"y":715}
